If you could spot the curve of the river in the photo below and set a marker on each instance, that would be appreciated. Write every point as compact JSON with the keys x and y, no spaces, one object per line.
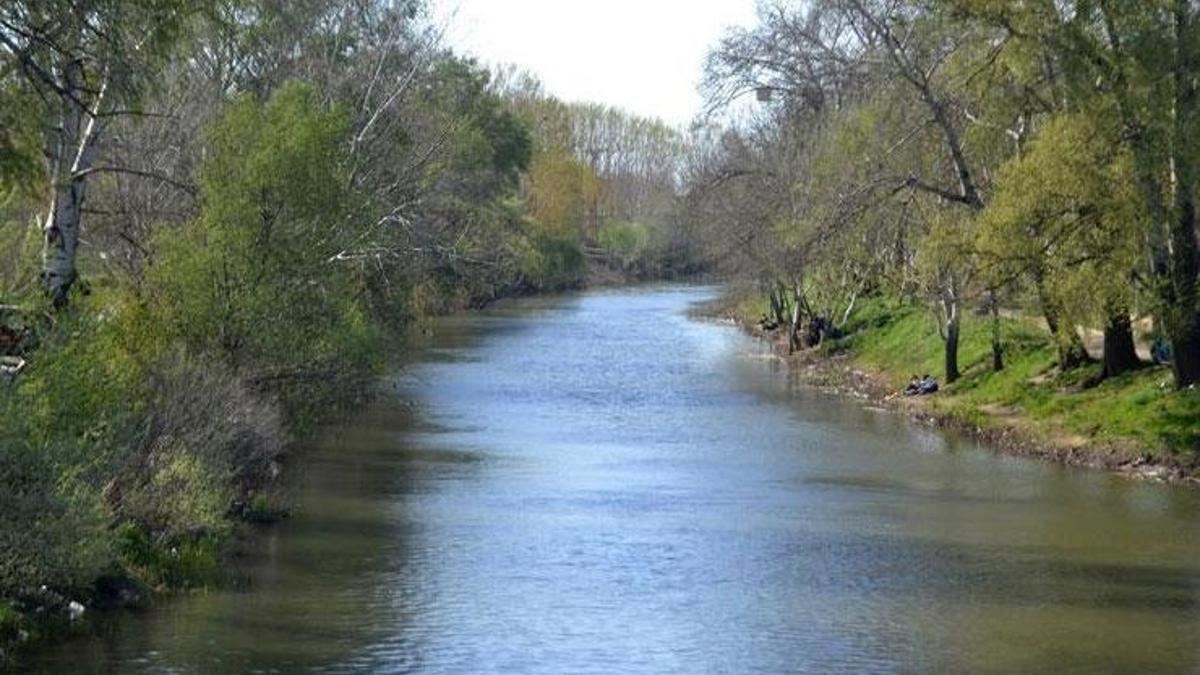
{"x":597,"y":484}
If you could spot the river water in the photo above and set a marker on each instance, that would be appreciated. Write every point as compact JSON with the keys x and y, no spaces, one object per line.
{"x":597,"y":484}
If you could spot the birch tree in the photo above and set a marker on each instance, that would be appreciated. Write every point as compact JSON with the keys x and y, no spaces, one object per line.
{"x":87,"y":61}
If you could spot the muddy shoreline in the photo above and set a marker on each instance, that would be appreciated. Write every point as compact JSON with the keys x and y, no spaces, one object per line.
{"x":1010,"y":434}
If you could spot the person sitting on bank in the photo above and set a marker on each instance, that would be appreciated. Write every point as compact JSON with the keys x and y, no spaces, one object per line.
{"x":928,"y":385}
{"x":914,"y":386}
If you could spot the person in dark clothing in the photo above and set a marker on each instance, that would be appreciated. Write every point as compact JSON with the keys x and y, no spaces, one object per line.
{"x":928,"y":385}
{"x":914,"y":386}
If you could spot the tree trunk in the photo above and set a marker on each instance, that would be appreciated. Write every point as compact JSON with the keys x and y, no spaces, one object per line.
{"x":71,"y":152}
{"x":1183,"y":323}
{"x":997,"y":344}
{"x":776,"y":310}
{"x":1186,"y":349}
{"x":952,"y":328}
{"x":1185,"y":258}
{"x":779,"y":304}
{"x":794,"y":323}
{"x":1120,"y":354}
{"x":1071,"y":352}
{"x":849,"y":310}
{"x":950,"y":306}
{"x":60,"y":232}
{"x":60,"y":241}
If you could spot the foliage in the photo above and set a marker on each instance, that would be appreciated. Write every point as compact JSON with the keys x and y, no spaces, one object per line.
{"x":175,"y":564}
{"x":248,"y":259}
{"x":553,"y":262}
{"x":206,"y":442}
{"x":20,"y":168}
{"x":247,"y":280}
{"x":102,"y":437}
{"x":53,"y":529}
{"x":18,"y":270}
{"x":626,"y":241}
{"x":493,"y":138}
{"x":1067,"y":211}
{"x":561,"y":190}
{"x":1026,"y":156}
{"x":596,"y":167}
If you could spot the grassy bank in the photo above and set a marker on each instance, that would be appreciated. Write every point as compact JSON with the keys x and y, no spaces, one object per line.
{"x":1135,"y":422}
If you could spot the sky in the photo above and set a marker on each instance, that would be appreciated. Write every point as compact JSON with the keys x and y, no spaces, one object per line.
{"x":644,"y":56}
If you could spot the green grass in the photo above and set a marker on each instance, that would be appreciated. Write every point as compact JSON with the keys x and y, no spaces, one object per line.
{"x":189,"y":562}
{"x":1139,"y":410}
{"x":752,"y":306}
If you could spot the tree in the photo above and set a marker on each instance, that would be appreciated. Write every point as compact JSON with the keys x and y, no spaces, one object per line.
{"x":559,"y":190}
{"x":88,"y":61}
{"x":1143,"y":56}
{"x":1163,"y":47}
{"x":253,"y":278}
{"x":825,"y":56}
{"x":1065,"y":215}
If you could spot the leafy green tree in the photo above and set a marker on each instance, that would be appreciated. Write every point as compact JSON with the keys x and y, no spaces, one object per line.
{"x":1142,"y":56}
{"x":255,"y":278}
{"x":1066,"y":216}
{"x":559,"y":190}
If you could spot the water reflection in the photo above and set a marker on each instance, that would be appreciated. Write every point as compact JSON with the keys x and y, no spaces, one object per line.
{"x":597,"y":484}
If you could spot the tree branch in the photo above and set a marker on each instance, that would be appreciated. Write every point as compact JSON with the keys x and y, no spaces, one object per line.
{"x":183,"y":187}
{"x":912,"y":183}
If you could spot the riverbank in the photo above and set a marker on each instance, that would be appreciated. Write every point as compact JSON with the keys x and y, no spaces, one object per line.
{"x":192,"y":461}
{"x":190,"y":523}
{"x":487,"y":513}
{"x":1135,"y":425}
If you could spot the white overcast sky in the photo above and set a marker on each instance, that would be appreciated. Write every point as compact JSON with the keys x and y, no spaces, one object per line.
{"x":641,"y":55}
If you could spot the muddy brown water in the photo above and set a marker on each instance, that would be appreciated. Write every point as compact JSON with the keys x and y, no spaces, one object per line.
{"x":597,"y":484}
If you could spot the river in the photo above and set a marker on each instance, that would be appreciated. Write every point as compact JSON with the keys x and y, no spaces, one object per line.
{"x":598,"y":484}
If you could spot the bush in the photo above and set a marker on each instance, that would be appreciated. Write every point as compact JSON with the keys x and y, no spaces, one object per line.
{"x":178,"y":563}
{"x":64,"y":421}
{"x":207,"y":441}
{"x":98,"y":434}
{"x":21,"y":241}
{"x":53,"y":530}
{"x":549,"y":261}
{"x":626,"y":241}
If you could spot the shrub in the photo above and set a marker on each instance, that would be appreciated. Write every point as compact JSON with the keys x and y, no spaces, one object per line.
{"x":547,"y":260}
{"x":627,"y":241}
{"x":207,"y":440}
{"x":53,"y":530}
{"x":180,"y":563}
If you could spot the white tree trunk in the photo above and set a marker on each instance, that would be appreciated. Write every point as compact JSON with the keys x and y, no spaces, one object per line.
{"x":61,"y":241}
{"x":951,"y":307}
{"x":72,"y":155}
